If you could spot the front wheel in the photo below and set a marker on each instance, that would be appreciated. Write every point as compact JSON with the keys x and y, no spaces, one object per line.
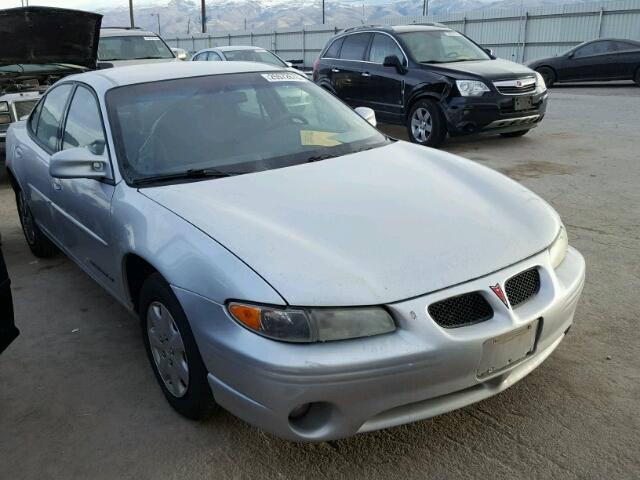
{"x":548,"y":76}
{"x":38,"y":242}
{"x":172,"y":350}
{"x":637,"y":77}
{"x":519,"y":133}
{"x":426,"y":124}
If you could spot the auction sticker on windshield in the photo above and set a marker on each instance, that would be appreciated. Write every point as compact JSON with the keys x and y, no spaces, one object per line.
{"x":283,"y":77}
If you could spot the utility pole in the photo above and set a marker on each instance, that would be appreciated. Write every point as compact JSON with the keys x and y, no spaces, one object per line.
{"x":131,"y":14}
{"x":203,"y":14}
{"x":189,"y":26}
{"x":323,"y":12}
{"x":425,"y":8}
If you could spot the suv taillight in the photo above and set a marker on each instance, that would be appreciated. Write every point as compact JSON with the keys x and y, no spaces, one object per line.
{"x":316,"y":67}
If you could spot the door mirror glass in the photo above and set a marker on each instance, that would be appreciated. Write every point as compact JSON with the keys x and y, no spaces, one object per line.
{"x":79,"y":162}
{"x":368,"y":114}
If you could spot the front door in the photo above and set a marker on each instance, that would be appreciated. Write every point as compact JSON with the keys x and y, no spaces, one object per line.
{"x":84,"y":205}
{"x":591,"y":62}
{"x":382,"y":86}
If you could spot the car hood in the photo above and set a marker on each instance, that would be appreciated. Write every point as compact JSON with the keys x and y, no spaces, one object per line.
{"x":139,"y":61}
{"x":39,"y":35}
{"x":368,"y":228}
{"x":497,"y":69}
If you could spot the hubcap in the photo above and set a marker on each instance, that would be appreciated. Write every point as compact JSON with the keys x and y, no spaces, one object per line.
{"x":26,"y":219}
{"x":167,"y":349}
{"x":421,"y":124}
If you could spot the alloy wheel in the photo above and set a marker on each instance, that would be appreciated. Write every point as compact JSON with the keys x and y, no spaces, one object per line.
{"x":421,"y":124}
{"x":167,"y":349}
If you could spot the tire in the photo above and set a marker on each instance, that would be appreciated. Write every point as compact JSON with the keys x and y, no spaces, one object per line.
{"x":548,"y":75}
{"x":38,"y":242}
{"x":425,"y":113}
{"x":170,"y":346}
{"x":519,"y":133}
{"x":636,"y":78}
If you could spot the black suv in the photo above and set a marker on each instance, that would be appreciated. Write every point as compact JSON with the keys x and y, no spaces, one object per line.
{"x":432,"y":79}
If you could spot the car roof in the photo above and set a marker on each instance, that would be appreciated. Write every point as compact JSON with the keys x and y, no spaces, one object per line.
{"x":397,"y":28}
{"x":125,"y":32}
{"x":119,"y":76}
{"x":232,"y":48}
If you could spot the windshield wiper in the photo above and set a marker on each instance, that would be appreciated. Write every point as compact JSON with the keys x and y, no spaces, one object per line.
{"x":192,"y":173}
{"x":316,"y":158}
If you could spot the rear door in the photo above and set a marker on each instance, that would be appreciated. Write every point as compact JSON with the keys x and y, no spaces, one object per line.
{"x":85,"y":204}
{"x":626,"y":61}
{"x":44,"y":131}
{"x":347,"y":71}
{"x":382,"y":86}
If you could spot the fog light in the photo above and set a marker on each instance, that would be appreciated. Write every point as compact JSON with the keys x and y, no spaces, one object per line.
{"x":299,"y":411}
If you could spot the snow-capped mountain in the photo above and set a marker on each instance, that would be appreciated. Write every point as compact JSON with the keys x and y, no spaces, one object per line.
{"x":180,"y":17}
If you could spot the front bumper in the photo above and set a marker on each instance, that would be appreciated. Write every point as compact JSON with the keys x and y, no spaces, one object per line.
{"x":492,"y":113}
{"x":419,"y":371}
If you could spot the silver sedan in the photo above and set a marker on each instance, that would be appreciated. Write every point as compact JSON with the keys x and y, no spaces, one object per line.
{"x":295,"y":266}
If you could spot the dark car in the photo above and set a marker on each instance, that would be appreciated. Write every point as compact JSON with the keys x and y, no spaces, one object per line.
{"x":8,"y":330}
{"x":432,"y":79}
{"x":598,"y":60}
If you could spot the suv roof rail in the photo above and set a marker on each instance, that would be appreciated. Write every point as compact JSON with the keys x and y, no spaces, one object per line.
{"x":121,"y":28}
{"x":359,"y":27}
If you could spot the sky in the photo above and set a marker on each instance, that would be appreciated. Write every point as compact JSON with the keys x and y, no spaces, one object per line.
{"x":80,"y":4}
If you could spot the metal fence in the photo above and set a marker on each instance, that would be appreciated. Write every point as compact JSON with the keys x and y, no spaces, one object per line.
{"x":515,"y":34}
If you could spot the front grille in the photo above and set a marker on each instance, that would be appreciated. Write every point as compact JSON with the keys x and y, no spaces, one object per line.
{"x":513,"y":90}
{"x":23,"y":107}
{"x":523,"y":286}
{"x":462,"y":310}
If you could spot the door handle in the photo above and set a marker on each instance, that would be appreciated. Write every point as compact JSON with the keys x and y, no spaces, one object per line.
{"x":335,"y":70}
{"x":366,"y":74}
{"x":56,"y":184}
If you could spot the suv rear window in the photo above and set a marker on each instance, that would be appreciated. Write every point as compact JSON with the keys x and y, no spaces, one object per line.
{"x":334,"y":49}
{"x":354,"y":46}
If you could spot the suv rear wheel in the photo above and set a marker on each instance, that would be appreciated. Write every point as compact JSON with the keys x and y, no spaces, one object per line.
{"x":637,"y":77}
{"x":425,"y":124}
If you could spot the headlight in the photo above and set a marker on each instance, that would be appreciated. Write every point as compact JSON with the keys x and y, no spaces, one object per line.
{"x":540,"y":85}
{"x":313,"y":324}
{"x":558,"y":249}
{"x":4,"y":118}
{"x":471,"y":88}
{"x":4,"y":107}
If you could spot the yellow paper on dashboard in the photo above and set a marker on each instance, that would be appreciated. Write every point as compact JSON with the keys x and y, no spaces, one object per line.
{"x":315,"y":137}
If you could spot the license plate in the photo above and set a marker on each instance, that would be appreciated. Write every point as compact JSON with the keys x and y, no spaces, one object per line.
{"x":522,"y":103}
{"x":501,"y":352}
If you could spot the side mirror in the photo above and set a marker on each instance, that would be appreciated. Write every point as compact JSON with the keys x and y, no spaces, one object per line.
{"x":103,"y":65}
{"x":79,"y":163}
{"x":393,"y":61}
{"x":368,"y":114}
{"x":571,"y":55}
{"x":289,"y":64}
{"x":489,"y":52}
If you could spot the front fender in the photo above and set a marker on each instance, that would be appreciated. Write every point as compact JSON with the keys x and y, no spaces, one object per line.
{"x":185,"y":256}
{"x":438,"y":90}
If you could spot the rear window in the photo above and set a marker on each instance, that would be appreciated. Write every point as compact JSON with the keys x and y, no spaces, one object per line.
{"x":354,"y":46}
{"x":132,"y":47}
{"x":334,"y":49}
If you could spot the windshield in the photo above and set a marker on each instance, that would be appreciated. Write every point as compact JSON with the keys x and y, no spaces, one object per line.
{"x":233,"y":124}
{"x":132,"y":47}
{"x":441,"y":46}
{"x":261,"y":56}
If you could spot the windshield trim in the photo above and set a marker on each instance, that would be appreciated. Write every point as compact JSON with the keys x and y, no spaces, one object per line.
{"x":120,"y":153}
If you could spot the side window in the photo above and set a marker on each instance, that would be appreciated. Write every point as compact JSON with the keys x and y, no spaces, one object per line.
{"x":622,"y":46}
{"x":334,"y":49}
{"x":353,"y":46}
{"x":35,"y":116}
{"x":52,"y":110}
{"x":383,"y":46}
{"x":595,"y":48}
{"x":213,"y":57}
{"x":83,"y":127}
